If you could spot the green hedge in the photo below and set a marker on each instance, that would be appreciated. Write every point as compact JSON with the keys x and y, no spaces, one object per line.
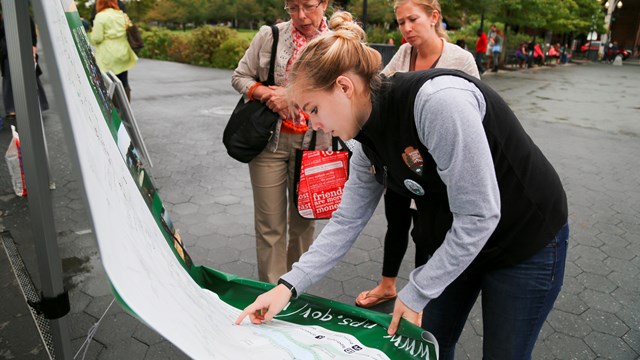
{"x":379,"y":35}
{"x":212,"y":46}
{"x":222,"y":47}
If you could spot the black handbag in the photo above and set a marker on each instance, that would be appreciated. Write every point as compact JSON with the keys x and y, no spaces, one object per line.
{"x":133,"y":35}
{"x":252,"y":124}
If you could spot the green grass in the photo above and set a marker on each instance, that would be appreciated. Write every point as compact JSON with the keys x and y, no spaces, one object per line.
{"x":246,"y":33}
{"x":242,"y":33}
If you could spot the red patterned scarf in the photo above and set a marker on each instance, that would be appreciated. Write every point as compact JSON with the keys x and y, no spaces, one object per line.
{"x":299,"y":125}
{"x":299,"y":41}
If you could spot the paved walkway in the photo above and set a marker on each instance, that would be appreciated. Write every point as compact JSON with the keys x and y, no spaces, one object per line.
{"x":585,"y":118}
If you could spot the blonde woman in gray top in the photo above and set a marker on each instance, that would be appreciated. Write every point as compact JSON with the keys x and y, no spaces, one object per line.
{"x":420,"y":22}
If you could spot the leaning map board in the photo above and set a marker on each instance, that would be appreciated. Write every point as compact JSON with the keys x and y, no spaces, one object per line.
{"x":152,"y":275}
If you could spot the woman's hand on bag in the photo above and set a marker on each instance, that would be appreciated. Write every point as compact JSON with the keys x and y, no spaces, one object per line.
{"x":400,"y":310}
{"x":266,"y":305}
{"x":277,"y":101}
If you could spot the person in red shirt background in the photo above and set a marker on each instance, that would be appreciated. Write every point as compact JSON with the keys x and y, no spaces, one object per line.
{"x":538,"y":55}
{"x":481,"y":49}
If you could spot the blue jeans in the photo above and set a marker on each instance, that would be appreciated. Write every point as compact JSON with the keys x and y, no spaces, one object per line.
{"x":496,"y":60}
{"x":515,"y":304}
{"x":480,"y":62}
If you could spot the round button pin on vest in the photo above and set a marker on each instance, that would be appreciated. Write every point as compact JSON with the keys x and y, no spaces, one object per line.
{"x":414,"y":187}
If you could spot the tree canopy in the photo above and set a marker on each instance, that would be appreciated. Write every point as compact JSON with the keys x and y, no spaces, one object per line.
{"x":557,"y":16}
{"x":579,"y":16}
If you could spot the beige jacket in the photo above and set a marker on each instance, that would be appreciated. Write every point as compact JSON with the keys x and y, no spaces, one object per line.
{"x":255,"y":62}
{"x":452,"y":57}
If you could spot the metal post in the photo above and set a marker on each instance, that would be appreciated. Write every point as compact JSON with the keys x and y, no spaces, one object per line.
{"x":634,"y":51}
{"x":23,"y":78}
{"x":364,"y":15}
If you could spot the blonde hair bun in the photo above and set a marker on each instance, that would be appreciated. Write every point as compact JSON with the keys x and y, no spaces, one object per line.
{"x":335,"y":53}
{"x":343,"y":26}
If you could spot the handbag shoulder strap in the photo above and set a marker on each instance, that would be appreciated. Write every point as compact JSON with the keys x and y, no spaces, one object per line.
{"x":274,"y":48}
{"x":335,"y":143}
{"x":312,"y":143}
{"x":127,"y":21}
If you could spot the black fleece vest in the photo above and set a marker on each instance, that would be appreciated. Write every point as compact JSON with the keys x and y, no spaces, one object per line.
{"x":533,"y":201}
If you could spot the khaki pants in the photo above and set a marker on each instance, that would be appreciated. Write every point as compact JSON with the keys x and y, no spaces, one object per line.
{"x":272,"y":176}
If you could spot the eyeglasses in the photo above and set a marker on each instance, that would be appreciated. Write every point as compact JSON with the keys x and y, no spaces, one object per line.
{"x":294,"y":10}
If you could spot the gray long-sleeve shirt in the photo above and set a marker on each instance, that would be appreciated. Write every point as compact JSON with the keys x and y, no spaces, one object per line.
{"x":448,"y":113}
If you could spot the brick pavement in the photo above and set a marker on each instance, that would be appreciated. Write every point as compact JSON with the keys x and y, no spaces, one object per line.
{"x":585,"y":119}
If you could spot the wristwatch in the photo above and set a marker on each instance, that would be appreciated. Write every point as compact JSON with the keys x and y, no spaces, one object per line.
{"x":294,"y":293}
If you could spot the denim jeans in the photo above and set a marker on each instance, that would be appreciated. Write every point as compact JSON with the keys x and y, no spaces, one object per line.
{"x":480,"y":62}
{"x":515,"y":304}
{"x":496,"y":60}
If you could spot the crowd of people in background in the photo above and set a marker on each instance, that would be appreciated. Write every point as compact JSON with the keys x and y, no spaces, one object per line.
{"x":489,"y":48}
